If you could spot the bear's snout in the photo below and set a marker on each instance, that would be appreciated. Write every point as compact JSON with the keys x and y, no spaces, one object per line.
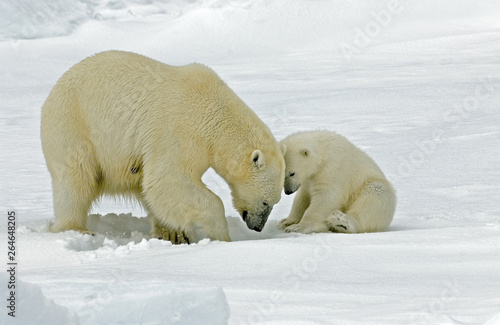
{"x":257,"y":221}
{"x":290,"y":187}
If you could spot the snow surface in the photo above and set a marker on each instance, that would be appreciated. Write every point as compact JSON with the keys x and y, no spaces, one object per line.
{"x":414,"y":83}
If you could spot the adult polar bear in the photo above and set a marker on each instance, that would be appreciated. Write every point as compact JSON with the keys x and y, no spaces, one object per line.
{"x":119,"y":123}
{"x":340,"y":188}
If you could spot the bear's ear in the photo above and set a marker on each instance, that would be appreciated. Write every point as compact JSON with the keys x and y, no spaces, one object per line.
{"x":257,"y":159}
{"x":283,"y":149}
{"x":305,"y":152}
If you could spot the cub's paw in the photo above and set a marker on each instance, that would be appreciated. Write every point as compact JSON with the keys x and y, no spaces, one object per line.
{"x":306,"y":228}
{"x":294,"y":228}
{"x":285,"y":223}
{"x":341,"y":222}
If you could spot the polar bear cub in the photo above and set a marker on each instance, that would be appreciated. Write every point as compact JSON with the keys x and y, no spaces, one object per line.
{"x":339,"y":187}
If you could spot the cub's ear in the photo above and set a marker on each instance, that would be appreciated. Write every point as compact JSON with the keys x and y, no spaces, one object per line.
{"x":283,"y":149}
{"x":305,"y":152}
{"x":257,"y":159}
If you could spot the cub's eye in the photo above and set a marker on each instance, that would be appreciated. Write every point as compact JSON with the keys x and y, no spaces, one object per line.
{"x":291,"y":174}
{"x":264,"y":203}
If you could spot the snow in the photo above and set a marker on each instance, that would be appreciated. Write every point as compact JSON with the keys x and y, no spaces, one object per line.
{"x":42,"y":310}
{"x":416,"y":84}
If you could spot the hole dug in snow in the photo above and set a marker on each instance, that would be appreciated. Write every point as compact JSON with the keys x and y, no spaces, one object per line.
{"x":124,"y":232}
{"x":118,"y":233}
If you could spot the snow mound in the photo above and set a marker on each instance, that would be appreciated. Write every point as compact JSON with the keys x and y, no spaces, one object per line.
{"x":26,"y":19}
{"x":119,"y":233}
{"x":121,"y":303}
{"x":166,"y":305}
{"x":494,"y":321}
{"x":82,"y":243}
{"x":123,"y":233}
{"x":32,"y":307}
{"x":242,"y":27}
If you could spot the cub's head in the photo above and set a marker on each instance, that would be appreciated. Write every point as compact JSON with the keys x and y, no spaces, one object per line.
{"x":258,"y":188}
{"x":301,"y":160}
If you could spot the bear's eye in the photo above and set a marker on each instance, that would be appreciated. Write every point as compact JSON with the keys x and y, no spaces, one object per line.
{"x":264,"y":203}
{"x":291,"y":174}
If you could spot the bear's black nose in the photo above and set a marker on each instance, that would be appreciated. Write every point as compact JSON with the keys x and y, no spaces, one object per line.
{"x":258,"y":228}
{"x":244,"y":215}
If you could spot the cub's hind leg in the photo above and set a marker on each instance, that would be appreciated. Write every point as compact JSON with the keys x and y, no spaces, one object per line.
{"x":372,"y":210}
{"x":338,"y":221}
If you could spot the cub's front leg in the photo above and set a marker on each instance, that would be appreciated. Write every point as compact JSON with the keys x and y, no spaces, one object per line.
{"x":300,"y":204}
{"x":314,"y":219}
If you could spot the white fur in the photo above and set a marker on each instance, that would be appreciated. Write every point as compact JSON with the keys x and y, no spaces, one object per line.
{"x":120,"y":123}
{"x":340,"y":188}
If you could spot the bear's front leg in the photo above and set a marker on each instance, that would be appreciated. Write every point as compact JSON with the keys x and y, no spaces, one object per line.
{"x":300,"y":204}
{"x":162,"y":232}
{"x":188,"y":209}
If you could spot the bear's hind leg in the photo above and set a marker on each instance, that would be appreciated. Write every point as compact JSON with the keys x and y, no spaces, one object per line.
{"x":341,"y":222}
{"x":73,"y":194}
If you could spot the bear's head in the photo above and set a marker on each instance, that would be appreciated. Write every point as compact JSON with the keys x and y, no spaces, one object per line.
{"x":301,"y":160}
{"x":258,"y":188}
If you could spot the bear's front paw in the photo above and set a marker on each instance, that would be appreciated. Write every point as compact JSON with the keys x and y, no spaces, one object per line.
{"x":87,"y":232}
{"x":341,"y":222}
{"x":176,"y":237}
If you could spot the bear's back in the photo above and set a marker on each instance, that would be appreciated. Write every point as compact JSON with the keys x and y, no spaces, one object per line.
{"x":342,"y":154}
{"x":132,"y":71}
{"x":124,"y":103}
{"x":125,"y":90}
{"x":360,"y":162}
